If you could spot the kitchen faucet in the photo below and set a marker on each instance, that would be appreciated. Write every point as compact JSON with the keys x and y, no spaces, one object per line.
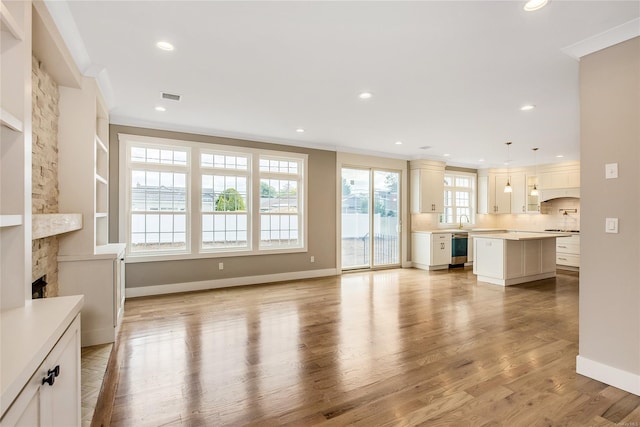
{"x":468,"y":221}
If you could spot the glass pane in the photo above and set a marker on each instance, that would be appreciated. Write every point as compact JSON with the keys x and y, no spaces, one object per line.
{"x":279,"y":231}
{"x":355,"y":218}
{"x":386,"y":242}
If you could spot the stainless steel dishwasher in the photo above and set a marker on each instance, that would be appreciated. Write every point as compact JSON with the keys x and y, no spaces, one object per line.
{"x":459,"y":249}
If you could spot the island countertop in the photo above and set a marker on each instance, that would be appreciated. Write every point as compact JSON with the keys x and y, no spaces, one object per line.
{"x":519,"y":235}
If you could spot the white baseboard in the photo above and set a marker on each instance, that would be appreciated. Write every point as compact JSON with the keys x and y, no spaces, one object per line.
{"x":623,"y":380}
{"x":226,"y":283}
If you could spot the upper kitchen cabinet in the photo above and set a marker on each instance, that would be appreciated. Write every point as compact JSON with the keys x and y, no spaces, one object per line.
{"x":533,"y":198}
{"x":491,"y":196}
{"x":427,"y":186}
{"x":566,"y":175}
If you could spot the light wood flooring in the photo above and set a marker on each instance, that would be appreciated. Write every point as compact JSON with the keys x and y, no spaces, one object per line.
{"x":398,"y":347}
{"x":94,"y":364}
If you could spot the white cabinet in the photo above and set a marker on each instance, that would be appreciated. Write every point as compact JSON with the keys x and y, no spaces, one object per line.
{"x":427,"y":186}
{"x":568,"y":251}
{"x":431,"y":251}
{"x":509,"y":262}
{"x":491,"y":196}
{"x":519,"y":193}
{"x":533,"y":201}
{"x":100,"y":278}
{"x":562,"y":178}
{"x":52,"y":394}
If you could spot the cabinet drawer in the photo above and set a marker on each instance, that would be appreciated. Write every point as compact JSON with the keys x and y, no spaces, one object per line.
{"x":568,"y":248}
{"x":568,"y":259}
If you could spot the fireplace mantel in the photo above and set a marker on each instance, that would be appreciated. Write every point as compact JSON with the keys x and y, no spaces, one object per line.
{"x":45,"y":225}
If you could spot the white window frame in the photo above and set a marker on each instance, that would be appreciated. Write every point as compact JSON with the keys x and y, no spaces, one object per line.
{"x":194,"y":219}
{"x":472,"y":197}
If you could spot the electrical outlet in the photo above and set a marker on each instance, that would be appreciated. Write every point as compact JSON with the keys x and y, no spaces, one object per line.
{"x":611,"y":225}
{"x":313,"y":259}
{"x":220,"y":266}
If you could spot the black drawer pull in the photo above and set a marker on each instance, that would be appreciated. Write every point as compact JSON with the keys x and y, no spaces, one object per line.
{"x":51,"y":375}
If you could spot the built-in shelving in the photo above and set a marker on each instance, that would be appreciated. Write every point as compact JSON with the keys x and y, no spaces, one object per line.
{"x":10,"y":121}
{"x":10,"y":220}
{"x":9,"y":23}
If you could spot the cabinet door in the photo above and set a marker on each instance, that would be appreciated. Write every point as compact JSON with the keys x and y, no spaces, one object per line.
{"x":533,"y":202}
{"x":440,"y":249}
{"x":518,"y":196}
{"x":502,"y":199}
{"x":483,"y":195}
{"x":60,"y":401}
{"x":427,"y":191}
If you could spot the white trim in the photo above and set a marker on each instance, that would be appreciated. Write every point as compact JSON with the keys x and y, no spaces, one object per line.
{"x":132,"y":292}
{"x":613,"y":36}
{"x":624,"y":380}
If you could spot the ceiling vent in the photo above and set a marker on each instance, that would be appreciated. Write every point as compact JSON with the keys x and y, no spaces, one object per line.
{"x":170,"y":96}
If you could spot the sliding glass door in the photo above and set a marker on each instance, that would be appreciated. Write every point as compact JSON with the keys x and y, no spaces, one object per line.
{"x":370,"y":218}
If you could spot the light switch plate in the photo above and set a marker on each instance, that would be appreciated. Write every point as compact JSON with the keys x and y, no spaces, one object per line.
{"x":611,"y":225}
{"x":611,"y":170}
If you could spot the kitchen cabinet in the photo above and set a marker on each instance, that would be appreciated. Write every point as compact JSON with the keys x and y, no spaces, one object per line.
{"x":100,"y":277}
{"x":427,"y":186}
{"x":491,"y":196}
{"x":431,"y":251}
{"x":510,"y":258}
{"x":519,"y":193}
{"x":568,"y":251}
{"x":559,"y":176}
{"x":533,"y":201}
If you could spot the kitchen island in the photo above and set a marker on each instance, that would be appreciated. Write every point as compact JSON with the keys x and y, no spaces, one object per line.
{"x":514,"y":257}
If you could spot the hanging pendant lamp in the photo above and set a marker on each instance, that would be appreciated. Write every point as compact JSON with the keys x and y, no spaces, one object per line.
{"x":534,"y":190}
{"x":508,"y":188}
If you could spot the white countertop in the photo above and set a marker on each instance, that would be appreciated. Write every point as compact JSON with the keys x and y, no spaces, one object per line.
{"x":460,"y":230}
{"x":28,"y":335}
{"x":521,"y":235}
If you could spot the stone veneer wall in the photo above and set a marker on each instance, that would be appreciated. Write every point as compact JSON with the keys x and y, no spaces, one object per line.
{"x":45,"y":172}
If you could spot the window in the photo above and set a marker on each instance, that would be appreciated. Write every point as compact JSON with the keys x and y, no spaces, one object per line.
{"x":459,"y":198}
{"x":224,"y":201}
{"x":184,"y":199}
{"x":280,"y":195}
{"x":158,"y":199}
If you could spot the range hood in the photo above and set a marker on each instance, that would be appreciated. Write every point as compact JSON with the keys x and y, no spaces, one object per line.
{"x":557,"y":193}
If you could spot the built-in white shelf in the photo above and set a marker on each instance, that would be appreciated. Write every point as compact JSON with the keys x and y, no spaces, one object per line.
{"x":9,"y":120}
{"x":9,"y":23}
{"x":101,"y":214}
{"x":45,"y":225}
{"x":101,"y":179}
{"x":10,"y":220}
{"x":101,"y":144}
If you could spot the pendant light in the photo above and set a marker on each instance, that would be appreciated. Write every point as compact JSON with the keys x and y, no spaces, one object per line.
{"x":534,"y":190}
{"x":508,"y":188}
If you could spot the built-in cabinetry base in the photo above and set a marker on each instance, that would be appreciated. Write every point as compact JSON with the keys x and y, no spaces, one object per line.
{"x":100,"y":277}
{"x":44,"y":338}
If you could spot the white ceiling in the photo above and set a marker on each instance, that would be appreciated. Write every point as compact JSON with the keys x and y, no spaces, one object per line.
{"x":450,"y":75}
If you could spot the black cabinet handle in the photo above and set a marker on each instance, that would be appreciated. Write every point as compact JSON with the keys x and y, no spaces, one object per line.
{"x":51,"y":375}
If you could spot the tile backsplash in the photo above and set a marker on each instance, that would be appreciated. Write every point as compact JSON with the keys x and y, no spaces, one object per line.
{"x":552,"y":216}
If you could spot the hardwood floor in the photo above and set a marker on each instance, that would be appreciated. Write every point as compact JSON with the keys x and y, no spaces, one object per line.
{"x":388,"y":348}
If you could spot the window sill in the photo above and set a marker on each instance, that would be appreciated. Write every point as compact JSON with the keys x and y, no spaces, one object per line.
{"x":133,"y":258}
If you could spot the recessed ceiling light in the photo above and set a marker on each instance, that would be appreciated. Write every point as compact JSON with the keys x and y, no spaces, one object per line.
{"x":160,"y":108}
{"x":532,"y":5}
{"x":365,"y":95}
{"x":527,"y":107}
{"x":560,"y":156}
{"x":300,"y":130}
{"x":481,"y":160}
{"x":398,"y":142}
{"x":164,"y":46}
{"x":446,"y":154}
